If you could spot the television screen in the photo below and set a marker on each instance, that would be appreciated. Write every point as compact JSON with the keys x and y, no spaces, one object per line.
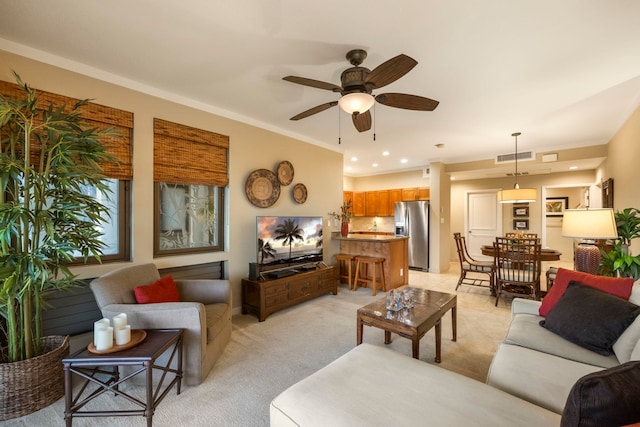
{"x":287,"y":241}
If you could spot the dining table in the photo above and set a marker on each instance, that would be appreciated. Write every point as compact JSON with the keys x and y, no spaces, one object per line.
{"x":546,"y":254}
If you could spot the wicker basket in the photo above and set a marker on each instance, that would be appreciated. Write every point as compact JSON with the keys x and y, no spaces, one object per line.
{"x":30,"y":385}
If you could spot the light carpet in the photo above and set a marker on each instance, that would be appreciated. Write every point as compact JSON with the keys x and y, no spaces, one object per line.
{"x":264,"y":358}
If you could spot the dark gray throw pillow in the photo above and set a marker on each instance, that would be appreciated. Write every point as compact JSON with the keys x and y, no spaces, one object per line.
{"x":590,"y":318}
{"x":605,"y":398}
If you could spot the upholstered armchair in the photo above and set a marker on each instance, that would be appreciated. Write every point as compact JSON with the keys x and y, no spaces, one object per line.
{"x":204,"y":313}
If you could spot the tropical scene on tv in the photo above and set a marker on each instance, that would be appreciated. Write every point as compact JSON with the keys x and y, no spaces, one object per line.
{"x":288,"y":241}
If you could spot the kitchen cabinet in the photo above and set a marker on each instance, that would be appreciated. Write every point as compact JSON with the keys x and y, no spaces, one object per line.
{"x":376,"y":203}
{"x":347,"y":196}
{"x":409,"y":194}
{"x":358,"y":203}
{"x":394,"y":196}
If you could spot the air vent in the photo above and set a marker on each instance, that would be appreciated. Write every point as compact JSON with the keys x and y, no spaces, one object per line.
{"x":510,"y":158}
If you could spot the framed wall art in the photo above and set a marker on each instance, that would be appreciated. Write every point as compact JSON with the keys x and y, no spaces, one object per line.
{"x":520,"y":224}
{"x":555,"y":206}
{"x":520,"y":211}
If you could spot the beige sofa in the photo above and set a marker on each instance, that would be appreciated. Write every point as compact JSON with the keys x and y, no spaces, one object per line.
{"x":204,"y":313}
{"x":529,"y":382}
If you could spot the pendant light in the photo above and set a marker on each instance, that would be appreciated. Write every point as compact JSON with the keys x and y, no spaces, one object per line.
{"x":517,"y":194}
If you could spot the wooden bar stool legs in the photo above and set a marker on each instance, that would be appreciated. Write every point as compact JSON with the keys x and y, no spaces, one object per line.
{"x":369,"y":276}
{"x":344,"y":263}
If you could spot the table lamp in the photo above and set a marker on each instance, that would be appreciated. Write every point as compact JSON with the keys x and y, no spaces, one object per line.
{"x":590,"y":225}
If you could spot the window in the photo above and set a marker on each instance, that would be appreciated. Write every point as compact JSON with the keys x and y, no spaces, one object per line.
{"x":116,"y":230}
{"x":190,"y":218}
{"x":190,"y":173}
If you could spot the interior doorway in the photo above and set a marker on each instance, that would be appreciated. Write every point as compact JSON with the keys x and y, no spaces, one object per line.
{"x":482,"y":220}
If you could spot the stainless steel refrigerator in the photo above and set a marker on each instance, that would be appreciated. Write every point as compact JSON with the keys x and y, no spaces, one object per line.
{"x":412,"y":219}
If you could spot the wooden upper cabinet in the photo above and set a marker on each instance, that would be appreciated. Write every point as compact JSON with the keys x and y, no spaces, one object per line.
{"x":409,"y":194}
{"x":424,"y":194}
{"x":394,"y":196}
{"x":371,"y":203}
{"x":346,"y":196}
{"x":358,"y":203}
{"x":383,"y":203}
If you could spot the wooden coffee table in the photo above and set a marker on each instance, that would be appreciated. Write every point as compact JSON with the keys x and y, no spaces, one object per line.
{"x":429,"y":308}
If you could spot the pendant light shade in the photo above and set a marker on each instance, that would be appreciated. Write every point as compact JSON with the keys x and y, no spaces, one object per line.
{"x":356,"y":102}
{"x":517,"y":194}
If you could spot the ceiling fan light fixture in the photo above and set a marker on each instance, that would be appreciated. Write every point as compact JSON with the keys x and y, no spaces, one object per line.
{"x":517,"y":194}
{"x":357,"y":102}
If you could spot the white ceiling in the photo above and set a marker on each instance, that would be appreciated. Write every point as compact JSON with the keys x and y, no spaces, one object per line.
{"x":564,"y":73}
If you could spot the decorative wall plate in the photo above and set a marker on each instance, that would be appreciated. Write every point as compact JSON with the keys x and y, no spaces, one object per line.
{"x":262,"y":188}
{"x":285,"y":172}
{"x":299,"y":193}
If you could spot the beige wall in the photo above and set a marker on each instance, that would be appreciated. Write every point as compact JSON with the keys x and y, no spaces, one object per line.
{"x":623,"y":165}
{"x":319,"y":169}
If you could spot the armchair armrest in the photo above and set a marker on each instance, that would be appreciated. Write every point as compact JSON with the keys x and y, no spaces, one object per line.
{"x":526,"y":306}
{"x":205,"y":291}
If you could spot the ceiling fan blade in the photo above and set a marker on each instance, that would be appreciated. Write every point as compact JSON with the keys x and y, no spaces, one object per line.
{"x":314,"y":110}
{"x":391,"y":70}
{"x":408,"y":102}
{"x":313,"y":83}
{"x":362,"y":121}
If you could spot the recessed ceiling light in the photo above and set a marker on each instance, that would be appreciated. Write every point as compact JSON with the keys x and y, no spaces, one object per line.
{"x":375,"y":165}
{"x":453,"y":178}
{"x":385,"y":153}
{"x":404,"y":161}
{"x":348,"y":168}
{"x":573,"y":168}
{"x":354,"y":159}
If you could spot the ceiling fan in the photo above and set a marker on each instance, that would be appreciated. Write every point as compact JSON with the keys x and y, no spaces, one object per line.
{"x":358,"y":83}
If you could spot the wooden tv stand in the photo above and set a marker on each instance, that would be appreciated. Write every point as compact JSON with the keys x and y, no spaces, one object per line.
{"x":263,"y":297}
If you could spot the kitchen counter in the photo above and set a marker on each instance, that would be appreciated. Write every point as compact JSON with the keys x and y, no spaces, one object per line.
{"x":368,"y":237}
{"x":393,"y":249}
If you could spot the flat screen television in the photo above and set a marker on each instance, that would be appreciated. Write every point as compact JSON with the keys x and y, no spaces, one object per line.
{"x":288,"y":241}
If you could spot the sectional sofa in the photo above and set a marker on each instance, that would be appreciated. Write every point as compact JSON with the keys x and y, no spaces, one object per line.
{"x":536,"y":378}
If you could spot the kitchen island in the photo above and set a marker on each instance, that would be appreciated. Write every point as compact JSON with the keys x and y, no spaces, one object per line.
{"x":393,"y":249}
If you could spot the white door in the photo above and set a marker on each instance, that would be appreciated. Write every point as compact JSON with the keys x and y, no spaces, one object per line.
{"x":483,"y":219}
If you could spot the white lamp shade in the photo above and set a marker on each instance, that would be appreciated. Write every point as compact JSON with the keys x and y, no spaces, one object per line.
{"x":356,"y":102}
{"x":517,"y":195}
{"x":589,"y":224}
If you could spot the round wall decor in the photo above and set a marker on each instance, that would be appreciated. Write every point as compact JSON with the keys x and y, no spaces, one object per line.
{"x":285,"y":172}
{"x":262,"y":188}
{"x":299,"y":193}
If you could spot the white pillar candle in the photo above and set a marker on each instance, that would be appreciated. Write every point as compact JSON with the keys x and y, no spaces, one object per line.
{"x":97,"y":325}
{"x":123,"y":335}
{"x":119,"y":321}
{"x":105,"y":339}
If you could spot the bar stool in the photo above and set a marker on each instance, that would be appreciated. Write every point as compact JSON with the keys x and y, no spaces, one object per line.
{"x":344,"y":262}
{"x":367,"y":261}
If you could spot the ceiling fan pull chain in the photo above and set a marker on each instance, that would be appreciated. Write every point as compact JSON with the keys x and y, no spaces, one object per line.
{"x":373,"y":110}
{"x":339,"y":128}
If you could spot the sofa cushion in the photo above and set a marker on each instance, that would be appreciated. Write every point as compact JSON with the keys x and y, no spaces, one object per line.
{"x":590,"y":318}
{"x":375,"y":386}
{"x":623,"y":347}
{"x":540,"y":378}
{"x":162,"y":290}
{"x":618,"y":286}
{"x":525,"y":331}
{"x":606,"y":398}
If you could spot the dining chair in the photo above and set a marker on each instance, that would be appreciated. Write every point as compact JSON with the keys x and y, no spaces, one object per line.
{"x":470,"y":265}
{"x":521,"y":235}
{"x":518,"y":267}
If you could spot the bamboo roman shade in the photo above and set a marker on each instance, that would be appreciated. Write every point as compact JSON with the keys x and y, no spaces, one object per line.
{"x":186,"y":155}
{"x":95,"y":115}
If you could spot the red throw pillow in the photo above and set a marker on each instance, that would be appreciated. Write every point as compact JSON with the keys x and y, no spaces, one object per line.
{"x":162,"y":290}
{"x":618,"y":286}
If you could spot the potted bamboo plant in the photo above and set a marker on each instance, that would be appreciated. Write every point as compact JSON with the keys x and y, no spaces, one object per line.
{"x":48,"y":159}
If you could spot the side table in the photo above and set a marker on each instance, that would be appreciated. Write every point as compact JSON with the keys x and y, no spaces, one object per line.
{"x":94,"y":368}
